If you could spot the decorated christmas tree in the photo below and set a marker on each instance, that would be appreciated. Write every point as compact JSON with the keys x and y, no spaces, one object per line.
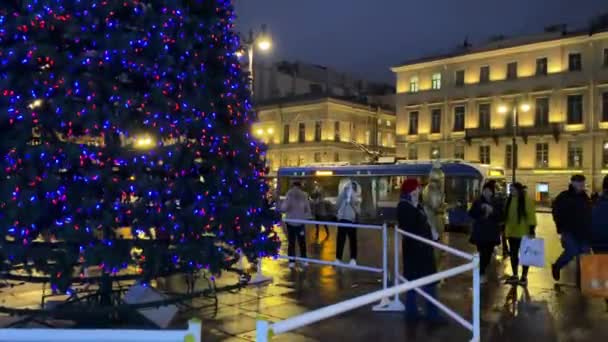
{"x":125,"y":140}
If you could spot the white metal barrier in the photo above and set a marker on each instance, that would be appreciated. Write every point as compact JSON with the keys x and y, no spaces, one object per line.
{"x":265,"y":330}
{"x":192,"y":334}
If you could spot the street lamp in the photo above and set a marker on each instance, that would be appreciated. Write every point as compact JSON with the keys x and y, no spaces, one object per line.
{"x":260,"y":40}
{"x":503,"y":109}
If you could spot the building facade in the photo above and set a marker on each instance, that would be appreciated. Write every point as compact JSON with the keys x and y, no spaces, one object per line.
{"x":453,"y":106}
{"x":311,"y":128}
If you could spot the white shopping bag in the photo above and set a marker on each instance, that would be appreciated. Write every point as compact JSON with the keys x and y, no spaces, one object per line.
{"x":532,"y":252}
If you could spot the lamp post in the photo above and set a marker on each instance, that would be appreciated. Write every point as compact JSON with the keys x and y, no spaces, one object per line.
{"x":524,"y":107}
{"x":262,"y":41}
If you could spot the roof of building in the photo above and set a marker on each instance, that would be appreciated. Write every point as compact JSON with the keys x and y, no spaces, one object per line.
{"x":555,"y":32}
{"x":309,"y":98}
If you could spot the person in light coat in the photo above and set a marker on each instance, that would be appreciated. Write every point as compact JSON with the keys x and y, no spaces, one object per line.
{"x":296,"y":207}
{"x":349,"y":209}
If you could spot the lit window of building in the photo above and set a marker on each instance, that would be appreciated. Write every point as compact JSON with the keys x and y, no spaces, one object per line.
{"x":459,"y":151}
{"x":542,"y":155}
{"x":575,"y":154}
{"x":436,"y":81}
{"x":414,"y":86}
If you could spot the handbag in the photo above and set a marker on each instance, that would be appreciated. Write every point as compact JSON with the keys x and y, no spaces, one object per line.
{"x":594,"y":275}
{"x":532,"y":252}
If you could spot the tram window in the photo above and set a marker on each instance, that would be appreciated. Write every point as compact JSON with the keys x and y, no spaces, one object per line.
{"x":461,"y":189}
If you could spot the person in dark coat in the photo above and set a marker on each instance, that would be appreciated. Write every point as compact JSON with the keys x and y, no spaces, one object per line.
{"x":599,"y":221}
{"x":418,"y":257}
{"x":572,"y":215}
{"x":487,"y":217}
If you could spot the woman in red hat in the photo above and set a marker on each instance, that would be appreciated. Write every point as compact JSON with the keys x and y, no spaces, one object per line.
{"x":418,"y":257}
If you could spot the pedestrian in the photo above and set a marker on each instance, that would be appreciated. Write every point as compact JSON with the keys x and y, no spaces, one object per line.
{"x":572,"y":215}
{"x":487,"y":217}
{"x":599,"y":221}
{"x":418,"y":257}
{"x":349,"y":208}
{"x":320,"y":210}
{"x":520,"y":221}
{"x":296,"y":207}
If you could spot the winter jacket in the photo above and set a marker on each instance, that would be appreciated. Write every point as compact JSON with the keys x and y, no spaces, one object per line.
{"x":296,"y":205}
{"x":418,"y":257}
{"x":599,"y":223}
{"x":486,"y":229}
{"x":518,"y":228}
{"x":348,"y":204}
{"x":572,"y":214}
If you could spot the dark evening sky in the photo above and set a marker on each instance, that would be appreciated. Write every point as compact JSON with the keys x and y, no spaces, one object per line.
{"x":366,"y":37}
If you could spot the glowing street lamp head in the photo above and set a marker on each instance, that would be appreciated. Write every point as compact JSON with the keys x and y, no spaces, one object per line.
{"x":264,"y":42}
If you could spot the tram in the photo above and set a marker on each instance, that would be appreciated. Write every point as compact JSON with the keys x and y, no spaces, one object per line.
{"x":381,"y":183}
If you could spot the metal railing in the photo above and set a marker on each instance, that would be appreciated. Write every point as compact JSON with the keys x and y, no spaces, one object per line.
{"x":192,"y":334}
{"x":264,"y":329}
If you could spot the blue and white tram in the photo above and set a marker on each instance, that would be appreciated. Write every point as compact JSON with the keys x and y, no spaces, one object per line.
{"x":381,"y":183}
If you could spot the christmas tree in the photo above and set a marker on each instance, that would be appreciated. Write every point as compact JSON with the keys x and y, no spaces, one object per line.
{"x":127,"y":113}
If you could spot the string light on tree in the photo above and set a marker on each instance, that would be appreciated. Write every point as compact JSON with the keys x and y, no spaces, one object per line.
{"x":86,"y":74}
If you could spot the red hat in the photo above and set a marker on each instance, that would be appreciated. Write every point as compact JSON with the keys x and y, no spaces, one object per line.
{"x":409,"y":185}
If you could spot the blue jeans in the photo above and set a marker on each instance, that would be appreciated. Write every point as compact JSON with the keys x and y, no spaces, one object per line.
{"x":411,"y":308}
{"x":572,"y":249}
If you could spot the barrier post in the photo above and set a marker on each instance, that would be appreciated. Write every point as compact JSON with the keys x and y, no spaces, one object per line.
{"x":262,"y":331}
{"x":385,"y":301}
{"x":476,"y":300}
{"x":386,"y":304}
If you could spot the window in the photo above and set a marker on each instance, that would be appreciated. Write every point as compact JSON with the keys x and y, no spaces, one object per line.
{"x":412,"y":152}
{"x":300,"y":160}
{"x":542,"y":155}
{"x":388,"y":123}
{"x":337,"y":131}
{"x":436,"y":81}
{"x":458,"y":118}
{"x":605,"y":154}
{"x":318,"y":128}
{"x":575,"y":109}
{"x":435,"y":152}
{"x":541,"y":116}
{"x":368,"y":138}
{"x":286,"y":134}
{"x":459,"y":151}
{"x":575,"y":154}
{"x":509,"y":156}
{"x":317,"y":157}
{"x":389,"y":140}
{"x":459,"y":78}
{"x":414,"y":84}
{"x":378,"y":138}
{"x":413,"y":123}
{"x":301,"y":132}
{"x":484,"y":154}
{"x":605,"y":106}
{"x":484,"y":116}
{"x":541,"y":66}
{"x":436,"y":121}
{"x":605,"y":57}
{"x":484,"y":74}
{"x":574,"y":62}
{"x":512,"y":71}
{"x":336,"y":157}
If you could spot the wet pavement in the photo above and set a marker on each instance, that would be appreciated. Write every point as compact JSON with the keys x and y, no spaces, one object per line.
{"x":542,"y":312}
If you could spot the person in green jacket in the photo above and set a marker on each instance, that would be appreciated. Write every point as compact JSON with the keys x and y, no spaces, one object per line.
{"x":520,"y":220}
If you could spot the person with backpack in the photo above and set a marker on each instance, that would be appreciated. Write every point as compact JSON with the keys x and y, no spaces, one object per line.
{"x":349,"y":209}
{"x":572,"y":212}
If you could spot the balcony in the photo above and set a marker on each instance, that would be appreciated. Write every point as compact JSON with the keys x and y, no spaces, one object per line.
{"x":555,"y":129}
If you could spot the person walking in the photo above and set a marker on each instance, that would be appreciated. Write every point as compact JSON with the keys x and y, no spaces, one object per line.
{"x":487,"y":217}
{"x":520,"y":221}
{"x":296,"y":207}
{"x":320,"y":210}
{"x":572,"y":212}
{"x":418,"y":257}
{"x":599,"y":221}
{"x":349,"y":208}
